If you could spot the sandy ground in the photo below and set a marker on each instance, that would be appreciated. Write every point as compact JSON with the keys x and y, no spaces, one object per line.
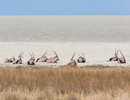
{"x":95,"y":53}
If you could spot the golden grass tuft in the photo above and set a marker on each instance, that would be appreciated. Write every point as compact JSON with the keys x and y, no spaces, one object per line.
{"x":42,"y":83}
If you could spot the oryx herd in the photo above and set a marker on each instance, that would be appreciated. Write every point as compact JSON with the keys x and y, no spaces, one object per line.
{"x":31,"y":61}
{"x":43,"y":58}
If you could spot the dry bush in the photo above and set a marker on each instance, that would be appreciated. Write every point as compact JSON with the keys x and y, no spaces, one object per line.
{"x":66,"y":83}
{"x":11,"y":97}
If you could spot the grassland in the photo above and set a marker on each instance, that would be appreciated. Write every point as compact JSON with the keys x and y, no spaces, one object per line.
{"x":65,"y":83}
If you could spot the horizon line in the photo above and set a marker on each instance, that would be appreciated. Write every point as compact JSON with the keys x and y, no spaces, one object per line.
{"x":64,"y":15}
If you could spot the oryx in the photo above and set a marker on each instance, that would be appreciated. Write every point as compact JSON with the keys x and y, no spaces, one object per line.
{"x":81,"y":59}
{"x":10,"y":60}
{"x":43,"y":58}
{"x":114,"y":58}
{"x":32,"y":60}
{"x":72,"y":61}
{"x":53,"y":59}
{"x":19,"y":61}
{"x":122,"y":59}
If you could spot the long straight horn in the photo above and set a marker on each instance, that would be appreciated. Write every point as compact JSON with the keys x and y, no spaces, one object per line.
{"x":117,"y":51}
{"x":21,"y":54}
{"x":55,"y":53}
{"x":122,"y":54}
{"x":30,"y":54}
{"x":79,"y":55}
{"x":83,"y":55}
{"x":73,"y":56}
{"x":33,"y":54}
{"x":44,"y":54}
{"x":13,"y":57}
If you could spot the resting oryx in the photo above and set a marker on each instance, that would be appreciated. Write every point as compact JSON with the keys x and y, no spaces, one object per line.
{"x":53,"y":59}
{"x":81,"y":59}
{"x":72,"y":61}
{"x":9,"y":60}
{"x":19,"y":61}
{"x":43,"y":58}
{"x":122,"y":59}
{"x":32,"y":60}
{"x":114,"y":58}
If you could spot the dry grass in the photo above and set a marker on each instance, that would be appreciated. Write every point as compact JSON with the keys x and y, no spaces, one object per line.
{"x":39,"y":83}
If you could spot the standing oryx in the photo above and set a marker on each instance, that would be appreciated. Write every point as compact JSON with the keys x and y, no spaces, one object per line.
{"x":43,"y":58}
{"x":10,"y":60}
{"x":72,"y":61}
{"x":19,"y":61}
{"x":81,"y":59}
{"x":114,"y":58}
{"x":53,"y":59}
{"x":122,"y":59}
{"x":32,"y":60}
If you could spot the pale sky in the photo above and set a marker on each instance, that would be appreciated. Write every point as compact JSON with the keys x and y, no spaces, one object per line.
{"x":65,"y":7}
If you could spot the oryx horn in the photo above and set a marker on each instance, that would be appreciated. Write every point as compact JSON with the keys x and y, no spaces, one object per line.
{"x":83,"y":55}
{"x":33,"y":54}
{"x":122,"y":54}
{"x":117,"y":51}
{"x":30,"y":54}
{"x":73,"y":56}
{"x":44,"y":54}
{"x":21,"y":54}
{"x":55,"y":53}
